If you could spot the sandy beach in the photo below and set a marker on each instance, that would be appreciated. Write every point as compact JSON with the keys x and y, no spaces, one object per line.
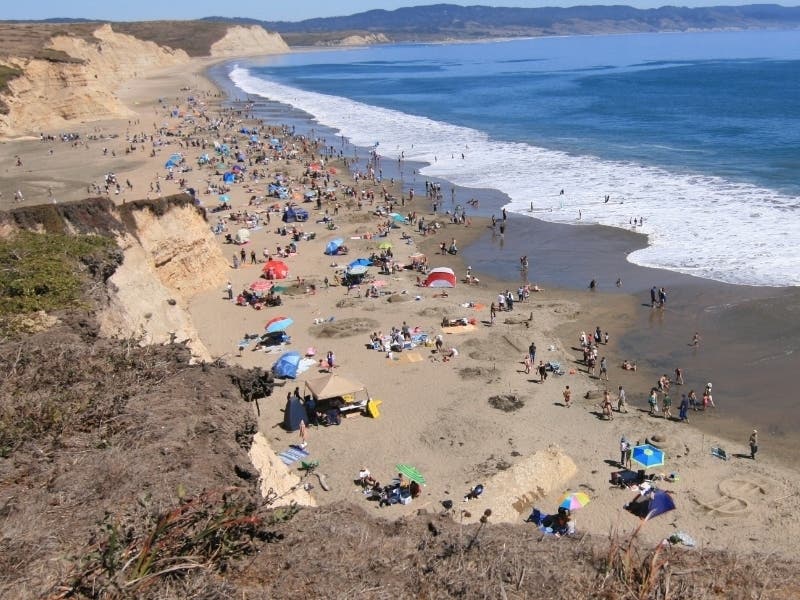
{"x":475,"y":419}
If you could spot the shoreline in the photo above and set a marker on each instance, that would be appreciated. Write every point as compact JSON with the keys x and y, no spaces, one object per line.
{"x":578,"y":253}
{"x":443,"y":417}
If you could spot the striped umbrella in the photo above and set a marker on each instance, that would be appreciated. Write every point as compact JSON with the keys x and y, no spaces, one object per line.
{"x":261,"y":285}
{"x":574,"y":500}
{"x":278,"y":324}
{"x":411,"y":473}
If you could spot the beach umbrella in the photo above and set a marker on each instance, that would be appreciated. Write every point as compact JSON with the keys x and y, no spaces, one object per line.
{"x":647,"y":455}
{"x":278,"y":268}
{"x":278,"y":324}
{"x":385,"y":245}
{"x":224,"y":198}
{"x":360,"y":262}
{"x":357,"y":270}
{"x":574,"y":500}
{"x":397,"y":217}
{"x":261,"y":285}
{"x":411,"y":473}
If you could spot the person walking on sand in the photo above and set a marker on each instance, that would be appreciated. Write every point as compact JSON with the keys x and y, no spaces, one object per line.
{"x":542,"y":372}
{"x":330,"y":360}
{"x":229,"y":290}
{"x":683,"y":409}
{"x":622,"y":404}
{"x":667,"y":404}
{"x":603,"y":369}
{"x":567,"y":397}
{"x":607,"y":407}
{"x":678,"y":376}
{"x":527,"y":362}
{"x":695,"y":340}
{"x":753,"y":444}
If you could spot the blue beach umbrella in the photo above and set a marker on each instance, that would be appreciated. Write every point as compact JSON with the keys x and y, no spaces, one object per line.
{"x":360,"y":262}
{"x":648,"y":456}
{"x":278,"y":324}
{"x":224,"y":198}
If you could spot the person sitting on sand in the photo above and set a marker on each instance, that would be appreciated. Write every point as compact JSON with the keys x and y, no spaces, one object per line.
{"x":628,"y":365}
{"x":450,"y":354}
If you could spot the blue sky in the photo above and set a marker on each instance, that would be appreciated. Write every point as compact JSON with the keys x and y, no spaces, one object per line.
{"x":272,"y":10}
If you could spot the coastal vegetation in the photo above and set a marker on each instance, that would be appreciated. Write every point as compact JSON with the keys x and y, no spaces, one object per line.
{"x":47,"y":272}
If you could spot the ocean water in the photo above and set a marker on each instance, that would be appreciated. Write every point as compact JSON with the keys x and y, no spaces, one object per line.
{"x":696,"y":133}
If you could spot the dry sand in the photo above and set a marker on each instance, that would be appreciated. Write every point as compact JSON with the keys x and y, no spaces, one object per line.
{"x":475,"y":419}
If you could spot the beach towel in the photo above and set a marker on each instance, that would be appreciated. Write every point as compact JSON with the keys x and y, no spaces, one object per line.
{"x":292,"y":454}
{"x":406,"y":357}
{"x":460,"y":328}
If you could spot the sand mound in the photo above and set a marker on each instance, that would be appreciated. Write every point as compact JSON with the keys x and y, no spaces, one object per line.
{"x":512,"y":492}
{"x":276,"y":477}
{"x":345,"y":328}
{"x":506,"y":402}
{"x":488,"y":373}
{"x":398,"y":298}
{"x":434,"y":311}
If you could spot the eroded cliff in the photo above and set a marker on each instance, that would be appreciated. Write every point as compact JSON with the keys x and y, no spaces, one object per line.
{"x":168,"y":254}
{"x":248,"y":41}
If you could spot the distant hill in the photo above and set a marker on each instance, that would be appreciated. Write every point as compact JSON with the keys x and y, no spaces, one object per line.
{"x":450,"y":21}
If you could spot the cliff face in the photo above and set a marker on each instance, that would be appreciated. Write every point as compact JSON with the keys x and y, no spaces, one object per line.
{"x":169,"y":254}
{"x":248,"y":41}
{"x":49,"y":93}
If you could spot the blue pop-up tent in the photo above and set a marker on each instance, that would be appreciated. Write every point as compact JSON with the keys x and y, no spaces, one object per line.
{"x":656,"y":502}
{"x":295,"y":214}
{"x":286,"y":366}
{"x":228,"y":177}
{"x":333,"y":246}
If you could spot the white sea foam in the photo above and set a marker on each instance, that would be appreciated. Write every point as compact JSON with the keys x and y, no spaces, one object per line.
{"x":704,"y":226}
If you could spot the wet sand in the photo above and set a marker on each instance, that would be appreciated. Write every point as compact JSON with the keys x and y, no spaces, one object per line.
{"x":750,"y":336}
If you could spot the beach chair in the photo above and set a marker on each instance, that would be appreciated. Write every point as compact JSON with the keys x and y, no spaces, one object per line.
{"x":719,"y":453}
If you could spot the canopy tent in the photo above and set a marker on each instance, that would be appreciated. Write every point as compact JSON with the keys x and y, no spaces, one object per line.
{"x":331,"y":385}
{"x":333,"y":246}
{"x":440,"y":277}
{"x":286,"y":366}
{"x":357,"y":270}
{"x":276,"y":269}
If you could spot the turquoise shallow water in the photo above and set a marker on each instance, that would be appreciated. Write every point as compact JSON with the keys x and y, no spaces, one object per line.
{"x":698,"y":133}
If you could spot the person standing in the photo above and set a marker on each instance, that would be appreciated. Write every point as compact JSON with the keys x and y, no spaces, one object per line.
{"x":567,"y":397}
{"x":542,"y":372}
{"x":678,"y":376}
{"x":623,"y":451}
{"x":683,"y":409}
{"x":667,"y":403}
{"x":532,"y":352}
{"x":753,"y":444}
{"x":603,"y":368}
{"x":229,"y":290}
{"x":622,"y":405}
